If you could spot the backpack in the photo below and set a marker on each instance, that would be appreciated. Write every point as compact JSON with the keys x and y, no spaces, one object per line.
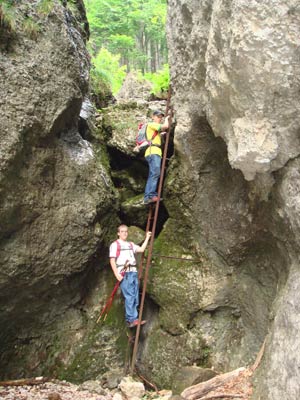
{"x":141,"y":137}
{"x":119,"y":248}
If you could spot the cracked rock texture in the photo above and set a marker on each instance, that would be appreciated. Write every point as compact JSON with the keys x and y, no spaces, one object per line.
{"x":235,"y":76}
{"x":242,"y":60}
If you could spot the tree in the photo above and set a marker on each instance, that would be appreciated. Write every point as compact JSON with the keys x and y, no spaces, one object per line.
{"x":106,"y":69}
{"x":135,"y":29}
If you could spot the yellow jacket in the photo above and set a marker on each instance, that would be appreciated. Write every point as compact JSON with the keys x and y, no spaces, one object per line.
{"x":151,"y":128}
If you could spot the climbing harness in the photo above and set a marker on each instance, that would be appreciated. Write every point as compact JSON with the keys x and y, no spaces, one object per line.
{"x":126,"y":266}
{"x":153,"y":229}
{"x":119,"y":248}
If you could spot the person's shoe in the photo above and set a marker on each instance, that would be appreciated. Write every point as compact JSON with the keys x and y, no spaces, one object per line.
{"x":154,"y":199}
{"x":135,"y":323}
{"x":147,"y":201}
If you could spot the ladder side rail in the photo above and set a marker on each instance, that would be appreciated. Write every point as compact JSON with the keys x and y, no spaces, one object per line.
{"x":140,"y":271}
{"x":150,"y":249}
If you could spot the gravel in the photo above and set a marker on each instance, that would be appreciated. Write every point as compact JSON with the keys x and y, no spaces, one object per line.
{"x":49,"y":391}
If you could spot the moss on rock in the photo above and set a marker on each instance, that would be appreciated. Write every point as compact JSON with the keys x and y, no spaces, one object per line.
{"x":164,"y":354}
{"x":175,"y":284}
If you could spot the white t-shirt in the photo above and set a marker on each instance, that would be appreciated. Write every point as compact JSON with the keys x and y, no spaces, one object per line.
{"x":126,"y":254}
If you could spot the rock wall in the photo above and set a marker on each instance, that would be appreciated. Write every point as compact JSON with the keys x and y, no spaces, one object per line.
{"x":242,"y":61}
{"x":234,"y":184}
{"x":57,"y":201}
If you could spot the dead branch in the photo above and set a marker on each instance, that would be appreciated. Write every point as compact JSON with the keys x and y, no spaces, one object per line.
{"x":26,"y":381}
{"x":259,"y":356}
{"x":201,"y":389}
{"x":152,"y":385}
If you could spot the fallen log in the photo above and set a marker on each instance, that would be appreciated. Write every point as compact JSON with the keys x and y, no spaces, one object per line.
{"x":197,"y":391}
{"x":26,"y":381}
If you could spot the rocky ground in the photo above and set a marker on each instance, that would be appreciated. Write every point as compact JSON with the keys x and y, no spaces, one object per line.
{"x":49,"y":391}
{"x":239,"y":388}
{"x":89,"y":390}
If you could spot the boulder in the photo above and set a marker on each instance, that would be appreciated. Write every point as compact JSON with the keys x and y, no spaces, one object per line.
{"x":133,"y":390}
{"x":111,"y":378}
{"x":189,"y":376}
{"x":92,"y":386}
{"x":134,"y":88}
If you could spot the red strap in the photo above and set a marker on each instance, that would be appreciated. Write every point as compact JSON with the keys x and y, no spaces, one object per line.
{"x":153,"y":136}
{"x":118,"y":249}
{"x":118,"y":252}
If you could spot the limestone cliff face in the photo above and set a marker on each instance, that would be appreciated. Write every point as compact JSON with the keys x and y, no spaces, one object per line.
{"x":56,"y":200}
{"x":242,"y":62}
{"x":234,"y":182}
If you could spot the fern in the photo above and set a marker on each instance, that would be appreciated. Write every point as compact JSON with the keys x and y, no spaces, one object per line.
{"x":160,"y":81}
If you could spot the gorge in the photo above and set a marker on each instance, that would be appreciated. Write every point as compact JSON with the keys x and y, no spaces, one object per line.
{"x":68,"y":177}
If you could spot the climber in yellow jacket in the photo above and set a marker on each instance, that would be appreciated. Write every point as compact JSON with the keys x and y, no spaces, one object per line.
{"x":153,"y":154}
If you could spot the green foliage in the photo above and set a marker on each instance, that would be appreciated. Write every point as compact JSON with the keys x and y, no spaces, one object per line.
{"x":44,"y":7}
{"x":31,"y":28}
{"x":160,"y":81}
{"x":10,"y":19}
{"x":121,"y":43}
{"x":132,"y":28}
{"x":8,"y":16}
{"x":100,"y":81}
{"x":107,"y":71}
{"x":132,"y":32}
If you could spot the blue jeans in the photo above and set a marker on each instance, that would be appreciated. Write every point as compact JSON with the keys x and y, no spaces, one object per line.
{"x":154,"y":162}
{"x":130,"y":289}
